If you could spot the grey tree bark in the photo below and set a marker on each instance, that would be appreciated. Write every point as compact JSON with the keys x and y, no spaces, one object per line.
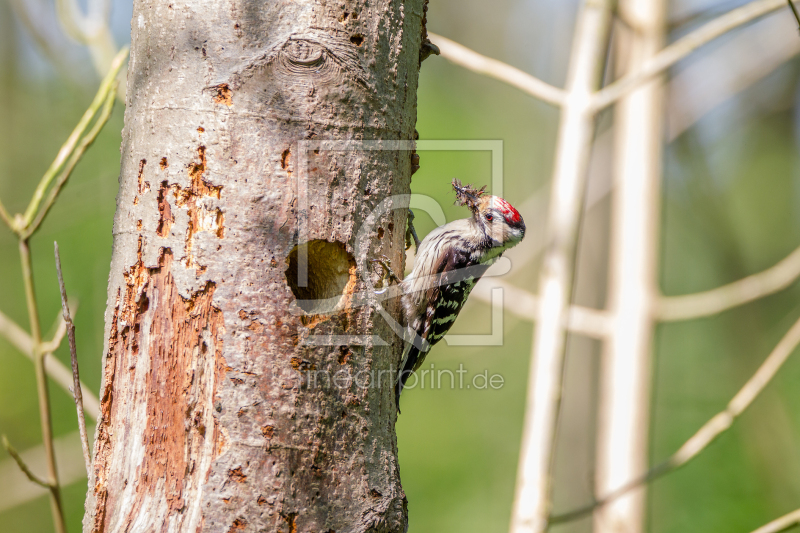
{"x":210,"y":421}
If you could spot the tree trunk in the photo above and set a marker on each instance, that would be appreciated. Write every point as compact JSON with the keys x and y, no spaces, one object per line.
{"x":624,"y":401}
{"x":223,"y":409}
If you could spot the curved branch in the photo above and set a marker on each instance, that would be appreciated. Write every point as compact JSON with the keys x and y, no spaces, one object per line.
{"x":54,"y":368}
{"x":759,"y":50}
{"x":593,"y":323}
{"x":14,"y":492}
{"x":783,"y":523}
{"x":794,"y":12}
{"x":684,"y":46}
{"x":16,"y":335}
{"x":22,"y":466}
{"x":770,"y":281}
{"x":83,"y":28}
{"x":39,"y":35}
{"x":712,"y":429}
{"x":76,"y":156}
{"x":6,"y":218}
{"x":471,"y":60}
{"x":108,"y":84}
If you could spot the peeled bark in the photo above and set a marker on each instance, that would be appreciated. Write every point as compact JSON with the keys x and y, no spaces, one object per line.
{"x":210,"y":420}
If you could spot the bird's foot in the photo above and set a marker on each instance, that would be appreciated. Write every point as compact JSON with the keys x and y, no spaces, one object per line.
{"x":387,"y":270}
{"x":411,"y":233}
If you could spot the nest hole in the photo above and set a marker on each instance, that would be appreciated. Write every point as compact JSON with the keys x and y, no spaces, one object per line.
{"x":330,"y":276}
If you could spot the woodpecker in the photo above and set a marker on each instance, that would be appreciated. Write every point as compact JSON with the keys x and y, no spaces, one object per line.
{"x":450,"y":260}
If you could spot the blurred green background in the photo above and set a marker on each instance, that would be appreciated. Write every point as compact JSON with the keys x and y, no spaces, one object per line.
{"x":730,"y":208}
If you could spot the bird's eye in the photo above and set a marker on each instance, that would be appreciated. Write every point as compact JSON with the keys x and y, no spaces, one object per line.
{"x":489,"y":217}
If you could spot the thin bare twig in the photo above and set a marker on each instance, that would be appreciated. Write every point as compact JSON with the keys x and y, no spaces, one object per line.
{"x":794,"y":12}
{"x":41,"y":36}
{"x":86,"y":141}
{"x":764,"y":283}
{"x":55,"y":369}
{"x":712,"y":429}
{"x":73,"y":354}
{"x":14,"y":491}
{"x":24,"y":226}
{"x":684,"y":46}
{"x":56,"y":505}
{"x":16,"y":335}
{"x":594,"y":323}
{"x":6,"y":217}
{"x":53,"y":344}
{"x":471,"y":60}
{"x":662,"y":61}
{"x":784,"y":523}
{"x":78,"y":26}
{"x":758,"y":50}
{"x":91,"y":29}
{"x":22,"y":466}
{"x":66,"y":150}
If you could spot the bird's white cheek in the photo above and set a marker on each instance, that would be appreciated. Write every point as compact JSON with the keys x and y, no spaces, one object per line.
{"x":497,"y":233}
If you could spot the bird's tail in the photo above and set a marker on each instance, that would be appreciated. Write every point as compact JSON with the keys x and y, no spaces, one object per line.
{"x":406,"y":369}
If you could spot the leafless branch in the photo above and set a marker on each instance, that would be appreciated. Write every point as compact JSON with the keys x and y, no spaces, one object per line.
{"x":22,"y":466}
{"x":794,"y":12}
{"x":54,"y":368}
{"x":784,"y":523}
{"x":5,"y":217}
{"x":594,"y":323}
{"x":712,"y":429}
{"x":53,"y":344}
{"x":75,"y":24}
{"x":108,"y":84}
{"x":684,"y":46}
{"x":24,"y":226}
{"x":33,"y":24}
{"x":91,"y":29}
{"x":750,"y":55}
{"x":42,"y":386}
{"x":770,"y":281}
{"x":13,"y":489}
{"x":576,"y":128}
{"x":16,"y":335}
{"x":471,"y":60}
{"x":76,"y":380}
{"x":77,"y":154}
{"x":659,"y":63}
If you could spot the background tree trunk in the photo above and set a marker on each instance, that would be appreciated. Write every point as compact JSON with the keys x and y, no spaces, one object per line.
{"x":208,"y":421}
{"x":624,"y":406}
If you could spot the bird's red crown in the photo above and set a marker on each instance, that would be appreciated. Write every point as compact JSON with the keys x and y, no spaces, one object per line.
{"x":511,"y":215}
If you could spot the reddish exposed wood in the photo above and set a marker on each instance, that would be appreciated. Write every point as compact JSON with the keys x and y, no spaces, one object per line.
{"x":165,"y":218}
{"x":223,"y":95}
{"x":174,"y":386}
